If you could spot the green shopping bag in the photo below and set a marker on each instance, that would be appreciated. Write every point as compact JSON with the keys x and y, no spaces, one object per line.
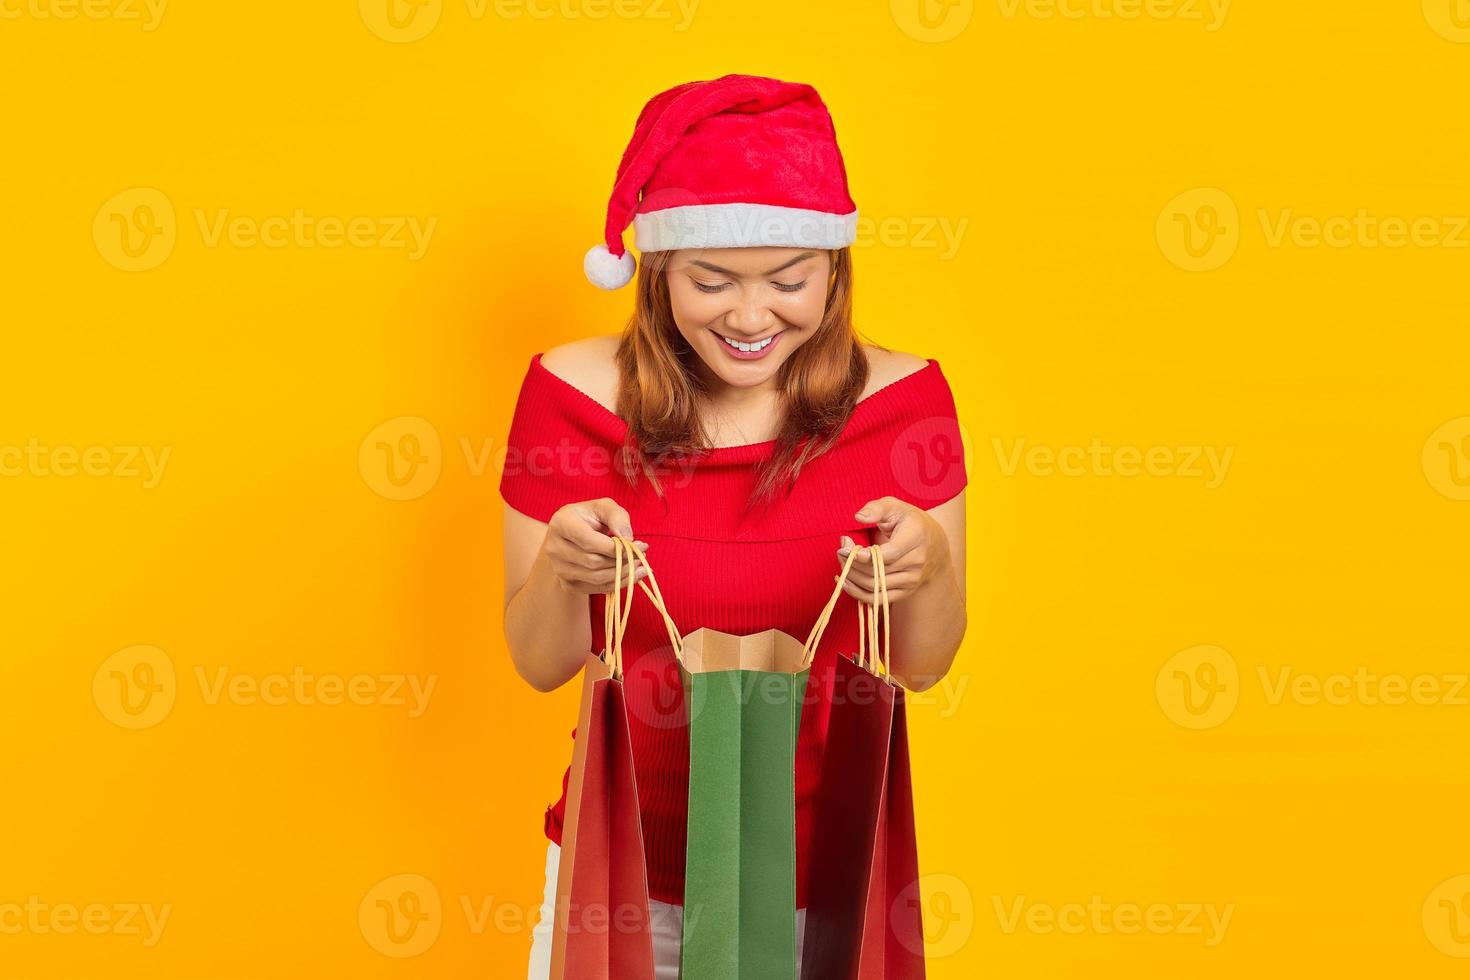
{"x":743,"y":697}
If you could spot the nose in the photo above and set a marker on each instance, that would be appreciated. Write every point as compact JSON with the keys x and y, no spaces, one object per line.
{"x":749,"y":317}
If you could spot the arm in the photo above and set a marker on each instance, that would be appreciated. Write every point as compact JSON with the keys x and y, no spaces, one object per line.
{"x":550,"y":571}
{"x":924,"y":565}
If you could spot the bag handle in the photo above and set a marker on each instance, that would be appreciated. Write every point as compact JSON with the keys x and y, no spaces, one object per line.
{"x":809,"y":649}
{"x":615,"y":613}
{"x":868,"y":623}
{"x":654,"y":594}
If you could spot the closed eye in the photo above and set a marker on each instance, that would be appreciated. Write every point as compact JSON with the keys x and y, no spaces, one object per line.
{"x":790,"y":287}
{"x":704,"y":287}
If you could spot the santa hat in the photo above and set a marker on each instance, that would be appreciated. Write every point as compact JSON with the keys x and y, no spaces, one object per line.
{"x":740,"y":161}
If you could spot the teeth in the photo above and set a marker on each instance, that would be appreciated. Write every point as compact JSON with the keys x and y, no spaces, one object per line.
{"x":747,"y":348}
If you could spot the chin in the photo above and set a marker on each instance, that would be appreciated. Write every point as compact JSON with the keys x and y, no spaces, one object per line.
{"x":750,"y":377}
{"x":740,"y":374}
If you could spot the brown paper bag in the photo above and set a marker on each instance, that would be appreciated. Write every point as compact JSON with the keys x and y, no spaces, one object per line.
{"x":602,"y":929}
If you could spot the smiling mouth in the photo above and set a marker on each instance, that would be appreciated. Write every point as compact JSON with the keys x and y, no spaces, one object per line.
{"x":748,"y":347}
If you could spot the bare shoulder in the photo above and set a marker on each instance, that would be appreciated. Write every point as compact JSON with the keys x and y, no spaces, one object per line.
{"x":589,"y":365}
{"x":887,"y":366}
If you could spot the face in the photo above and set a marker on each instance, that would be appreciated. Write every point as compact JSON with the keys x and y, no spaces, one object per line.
{"x":746,"y":310}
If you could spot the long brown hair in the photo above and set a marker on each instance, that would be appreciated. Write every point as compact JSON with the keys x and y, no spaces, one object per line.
{"x":657,"y":390}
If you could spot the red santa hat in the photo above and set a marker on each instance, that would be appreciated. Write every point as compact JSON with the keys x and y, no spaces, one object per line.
{"x":739,"y":161}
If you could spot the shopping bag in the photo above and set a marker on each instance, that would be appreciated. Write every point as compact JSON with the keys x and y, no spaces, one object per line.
{"x":743,"y":698}
{"x":863,"y":916}
{"x":602,"y":928}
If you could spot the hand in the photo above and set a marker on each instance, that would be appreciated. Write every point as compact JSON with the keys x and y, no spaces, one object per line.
{"x":579,"y":545}
{"x":913,"y":544}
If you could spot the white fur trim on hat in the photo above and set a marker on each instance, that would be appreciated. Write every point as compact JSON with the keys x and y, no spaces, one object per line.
{"x":606,"y":270}
{"x":742,"y":226}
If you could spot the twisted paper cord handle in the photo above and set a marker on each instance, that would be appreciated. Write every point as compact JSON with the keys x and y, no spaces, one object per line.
{"x":814,"y":639}
{"x":615,"y":613}
{"x":617,"y":622}
{"x":655,"y":596}
{"x":868,"y":622}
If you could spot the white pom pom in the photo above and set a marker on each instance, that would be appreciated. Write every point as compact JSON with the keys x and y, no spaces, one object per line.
{"x":607,"y":270}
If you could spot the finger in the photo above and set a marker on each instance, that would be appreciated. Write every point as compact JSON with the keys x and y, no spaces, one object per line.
{"x":592,"y":534}
{"x":630,"y":578}
{"x":883,"y":510}
{"x":583,"y":537}
{"x":897,"y":582}
{"x":591,"y":583}
{"x":900,"y":537}
{"x":581,"y":584}
{"x":864,"y":558}
{"x":613,"y":518}
{"x":900,"y":554}
{"x":908,"y":575}
{"x":571,"y":555}
{"x":597,"y":562}
{"x":861,"y":595}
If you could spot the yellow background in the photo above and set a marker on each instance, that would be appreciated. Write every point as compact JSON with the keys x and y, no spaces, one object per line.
{"x":1066,"y":151}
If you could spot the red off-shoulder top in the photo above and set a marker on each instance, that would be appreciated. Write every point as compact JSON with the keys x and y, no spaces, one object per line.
{"x":724,"y":566}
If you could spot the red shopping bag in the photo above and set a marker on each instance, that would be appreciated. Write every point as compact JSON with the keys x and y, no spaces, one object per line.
{"x":863,"y":921}
{"x":602,"y":929}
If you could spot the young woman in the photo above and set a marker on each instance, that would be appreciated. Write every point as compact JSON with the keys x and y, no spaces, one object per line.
{"x":742,"y":434}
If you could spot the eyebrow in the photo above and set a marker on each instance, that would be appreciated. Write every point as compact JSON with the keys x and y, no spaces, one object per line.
{"x":714,"y":268}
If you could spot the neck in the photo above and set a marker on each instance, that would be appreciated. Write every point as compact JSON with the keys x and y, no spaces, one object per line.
{"x":752,"y":411}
